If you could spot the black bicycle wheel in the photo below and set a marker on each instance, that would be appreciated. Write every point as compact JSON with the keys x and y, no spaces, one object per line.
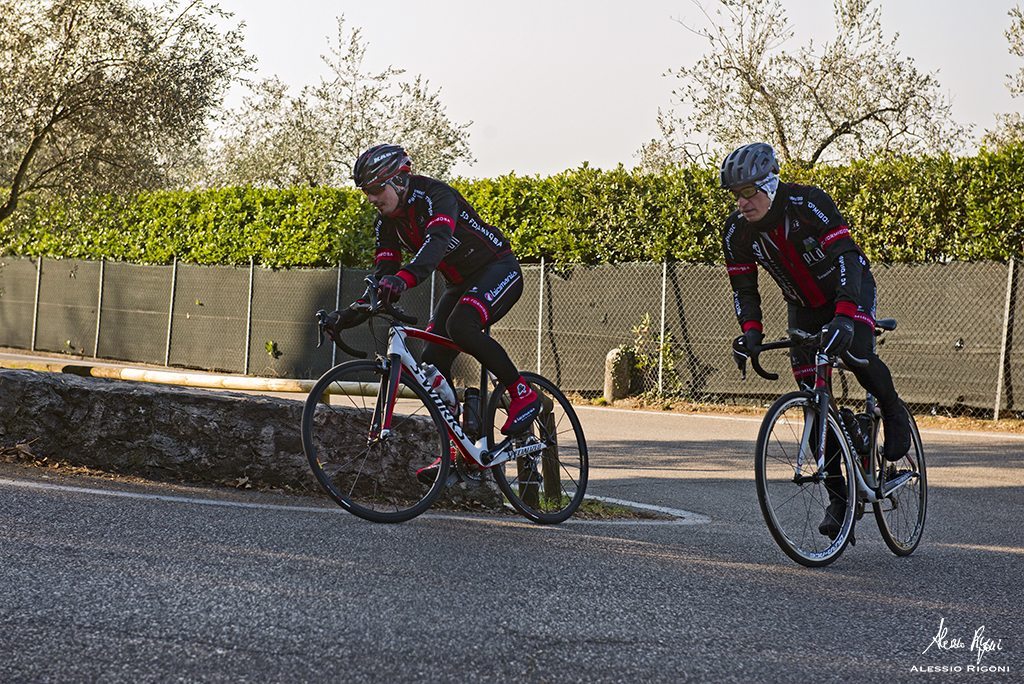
{"x":371,"y":476}
{"x":547,"y":483}
{"x":792,"y":493}
{"x":901,"y":513}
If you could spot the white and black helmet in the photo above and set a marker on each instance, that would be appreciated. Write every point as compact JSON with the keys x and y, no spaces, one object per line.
{"x":748,"y":164}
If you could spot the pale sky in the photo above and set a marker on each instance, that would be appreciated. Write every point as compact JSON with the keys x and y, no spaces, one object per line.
{"x":549,"y":84}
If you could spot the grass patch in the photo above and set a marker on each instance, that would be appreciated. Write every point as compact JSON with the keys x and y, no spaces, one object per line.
{"x":592,"y":509}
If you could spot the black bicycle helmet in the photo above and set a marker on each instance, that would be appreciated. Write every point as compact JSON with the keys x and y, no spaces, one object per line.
{"x":748,"y":164}
{"x":380,"y":163}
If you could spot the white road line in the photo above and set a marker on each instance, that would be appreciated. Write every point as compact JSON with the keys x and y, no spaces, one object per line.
{"x":46,"y":486}
{"x":681,"y":517}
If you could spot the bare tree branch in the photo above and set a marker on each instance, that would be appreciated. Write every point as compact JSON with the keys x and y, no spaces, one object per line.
{"x":851,"y":96}
{"x":275,"y":139}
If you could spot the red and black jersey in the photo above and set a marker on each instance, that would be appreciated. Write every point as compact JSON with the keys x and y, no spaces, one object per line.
{"x":805,"y":246}
{"x":443,"y":232}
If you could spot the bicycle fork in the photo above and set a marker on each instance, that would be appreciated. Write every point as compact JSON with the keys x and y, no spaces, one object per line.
{"x":384,"y":409}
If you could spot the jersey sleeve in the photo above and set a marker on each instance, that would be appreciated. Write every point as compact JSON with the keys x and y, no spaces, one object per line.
{"x":442,"y":207}
{"x":387,"y":256}
{"x":742,"y":269}
{"x":838,"y":245}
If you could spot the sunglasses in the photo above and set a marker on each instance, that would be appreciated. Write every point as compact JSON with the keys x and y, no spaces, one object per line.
{"x":746,"y":191}
{"x":375,"y":189}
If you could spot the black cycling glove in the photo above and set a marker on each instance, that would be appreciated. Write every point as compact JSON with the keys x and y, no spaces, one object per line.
{"x":838,"y":336}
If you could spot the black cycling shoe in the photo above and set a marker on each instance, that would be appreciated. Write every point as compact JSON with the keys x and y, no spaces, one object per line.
{"x":833,"y":520}
{"x":897,"y":434}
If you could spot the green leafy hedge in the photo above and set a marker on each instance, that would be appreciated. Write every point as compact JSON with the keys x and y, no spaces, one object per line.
{"x":900,"y":210}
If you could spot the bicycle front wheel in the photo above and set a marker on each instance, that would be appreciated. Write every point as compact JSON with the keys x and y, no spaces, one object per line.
{"x":370,"y":474}
{"x":548,"y":482}
{"x":793,"y":494}
{"x":900,"y":514}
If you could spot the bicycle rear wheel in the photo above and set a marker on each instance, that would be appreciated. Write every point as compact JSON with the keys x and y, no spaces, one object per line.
{"x":901,"y":514}
{"x":793,"y":496}
{"x":548,"y":484}
{"x":370,"y":476}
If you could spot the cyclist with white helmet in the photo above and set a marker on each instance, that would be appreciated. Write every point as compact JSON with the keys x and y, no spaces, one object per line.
{"x":796,"y":234}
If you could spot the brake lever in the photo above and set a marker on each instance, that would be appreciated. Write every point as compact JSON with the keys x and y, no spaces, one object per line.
{"x":320,"y":325}
{"x":740,"y":355}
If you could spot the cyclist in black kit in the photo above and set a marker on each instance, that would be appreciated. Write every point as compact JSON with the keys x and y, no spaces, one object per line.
{"x":432,"y":221}
{"x":796,"y":233}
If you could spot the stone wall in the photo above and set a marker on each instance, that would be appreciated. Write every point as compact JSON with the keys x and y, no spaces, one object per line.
{"x":166,"y":432}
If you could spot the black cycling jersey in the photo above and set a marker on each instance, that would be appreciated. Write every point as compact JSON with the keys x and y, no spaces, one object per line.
{"x":805,"y":245}
{"x":443,"y":232}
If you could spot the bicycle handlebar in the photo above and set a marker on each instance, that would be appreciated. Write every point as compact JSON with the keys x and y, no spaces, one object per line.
{"x":797,"y":338}
{"x":371,"y":308}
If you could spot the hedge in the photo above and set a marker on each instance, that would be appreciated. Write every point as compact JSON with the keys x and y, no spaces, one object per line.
{"x":901,"y":209}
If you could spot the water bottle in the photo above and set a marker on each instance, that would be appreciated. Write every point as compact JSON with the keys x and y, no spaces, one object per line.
{"x":471,"y":413}
{"x":439,"y":384}
{"x":858,"y":435}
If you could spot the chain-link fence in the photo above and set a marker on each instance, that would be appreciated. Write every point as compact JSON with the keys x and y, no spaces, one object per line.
{"x":954,"y":348}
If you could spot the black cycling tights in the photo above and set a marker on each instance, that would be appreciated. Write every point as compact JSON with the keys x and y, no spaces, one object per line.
{"x":875,"y":377}
{"x":465,"y":328}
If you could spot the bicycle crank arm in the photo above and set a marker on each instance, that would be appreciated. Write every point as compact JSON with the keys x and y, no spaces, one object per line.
{"x":529,"y":449}
{"x":505,"y":452}
{"x":897,"y":484}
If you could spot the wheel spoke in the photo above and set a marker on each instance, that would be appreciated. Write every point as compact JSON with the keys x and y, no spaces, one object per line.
{"x":791,"y":509}
{"x":563,"y":473}
{"x":372,"y":477}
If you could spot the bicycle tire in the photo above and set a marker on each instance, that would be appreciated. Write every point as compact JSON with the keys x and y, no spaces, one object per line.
{"x":373,"y":479}
{"x":901,"y":516}
{"x":792,"y":510}
{"x":546,"y":487}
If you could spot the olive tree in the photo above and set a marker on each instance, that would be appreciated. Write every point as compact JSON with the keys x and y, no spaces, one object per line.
{"x":101,"y":95}
{"x":1010,"y":127}
{"x":851,"y":96}
{"x":277,"y":140}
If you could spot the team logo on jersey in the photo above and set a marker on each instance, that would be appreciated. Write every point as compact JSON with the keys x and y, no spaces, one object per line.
{"x":812,"y":252}
{"x":818,"y":212}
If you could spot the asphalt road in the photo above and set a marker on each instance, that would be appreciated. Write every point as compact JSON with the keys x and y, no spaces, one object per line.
{"x":126,"y":581}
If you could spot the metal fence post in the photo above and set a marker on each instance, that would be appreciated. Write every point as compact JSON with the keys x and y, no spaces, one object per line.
{"x":337,"y":306}
{"x":248,"y":316}
{"x":170,"y":311}
{"x":540,"y":311}
{"x":99,"y":309}
{"x":661,"y":336}
{"x":430,"y":315}
{"x":1006,"y":334}
{"x":35,"y":303}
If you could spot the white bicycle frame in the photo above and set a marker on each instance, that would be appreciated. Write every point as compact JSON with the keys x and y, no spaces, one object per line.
{"x":398,"y":351}
{"x":869,"y":492}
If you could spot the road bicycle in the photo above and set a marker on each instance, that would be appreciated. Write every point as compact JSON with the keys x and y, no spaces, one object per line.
{"x":792,"y":484}
{"x":368,"y":427}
